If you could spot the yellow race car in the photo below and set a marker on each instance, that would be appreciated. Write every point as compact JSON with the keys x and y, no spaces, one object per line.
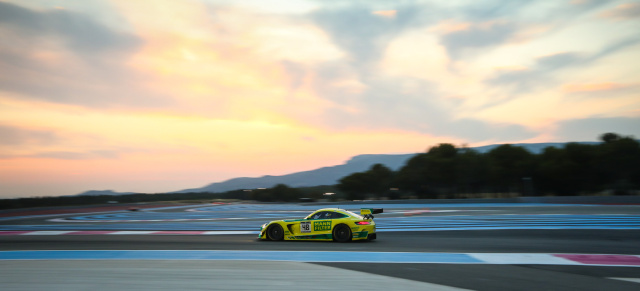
{"x":324,"y":225}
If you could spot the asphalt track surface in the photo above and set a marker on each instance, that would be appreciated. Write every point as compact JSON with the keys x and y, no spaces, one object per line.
{"x":442,"y":230}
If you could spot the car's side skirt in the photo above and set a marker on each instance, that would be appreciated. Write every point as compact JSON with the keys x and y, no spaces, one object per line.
{"x":326,"y":237}
{"x":310,"y":237}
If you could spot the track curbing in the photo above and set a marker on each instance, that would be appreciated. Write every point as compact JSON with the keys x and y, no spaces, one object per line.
{"x":333,"y":257}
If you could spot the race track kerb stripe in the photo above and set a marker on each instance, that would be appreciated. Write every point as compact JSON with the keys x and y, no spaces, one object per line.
{"x":329,"y":257}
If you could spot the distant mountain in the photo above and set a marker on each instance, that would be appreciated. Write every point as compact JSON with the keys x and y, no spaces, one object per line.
{"x":102,"y":192}
{"x":331,"y":175}
{"x":322,"y":176}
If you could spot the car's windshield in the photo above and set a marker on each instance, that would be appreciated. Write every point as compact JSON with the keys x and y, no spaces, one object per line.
{"x":319,"y":215}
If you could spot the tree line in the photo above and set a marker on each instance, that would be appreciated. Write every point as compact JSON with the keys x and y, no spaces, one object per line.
{"x":443,"y":171}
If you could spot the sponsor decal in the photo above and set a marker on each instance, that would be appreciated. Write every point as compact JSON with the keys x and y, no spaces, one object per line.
{"x":360,"y":234}
{"x":322,"y":225}
{"x":305,"y":226}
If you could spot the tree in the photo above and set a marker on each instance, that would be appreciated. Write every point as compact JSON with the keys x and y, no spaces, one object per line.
{"x":508,"y":165}
{"x":432,"y":173}
{"x":617,"y":163}
{"x":441,"y":169}
{"x":411,"y":176}
{"x":382,"y":178}
{"x":472,"y":175}
{"x":264,"y":195}
{"x":377,"y":181}
{"x":282,"y":192}
{"x":356,"y":185}
{"x":609,"y":137}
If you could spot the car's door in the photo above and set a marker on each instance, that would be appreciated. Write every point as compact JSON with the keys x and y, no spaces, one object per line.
{"x":317,"y":223}
{"x":305,"y":226}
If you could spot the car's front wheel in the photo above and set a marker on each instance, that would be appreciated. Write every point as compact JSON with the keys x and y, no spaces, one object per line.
{"x":341,"y":233}
{"x":275,"y":232}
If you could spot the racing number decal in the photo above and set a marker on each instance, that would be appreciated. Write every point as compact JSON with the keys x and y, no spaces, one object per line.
{"x":305,"y":226}
{"x":322,"y":225}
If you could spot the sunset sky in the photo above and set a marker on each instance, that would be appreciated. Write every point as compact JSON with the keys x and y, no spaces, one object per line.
{"x":158,"y":96}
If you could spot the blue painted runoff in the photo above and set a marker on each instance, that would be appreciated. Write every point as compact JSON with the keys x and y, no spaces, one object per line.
{"x":292,"y":256}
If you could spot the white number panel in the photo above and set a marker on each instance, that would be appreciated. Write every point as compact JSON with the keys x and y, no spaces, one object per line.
{"x":305,"y":226}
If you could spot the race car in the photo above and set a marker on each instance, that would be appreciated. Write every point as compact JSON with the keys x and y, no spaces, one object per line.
{"x":324,"y":225}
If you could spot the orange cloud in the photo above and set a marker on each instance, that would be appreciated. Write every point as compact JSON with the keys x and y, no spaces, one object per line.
{"x":386,"y":13}
{"x":511,"y":68}
{"x":449,"y":26}
{"x":232,"y":67}
{"x":591,"y":87}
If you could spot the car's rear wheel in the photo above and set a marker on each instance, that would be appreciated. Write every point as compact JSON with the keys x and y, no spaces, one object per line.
{"x":341,"y":233}
{"x":275,"y":232}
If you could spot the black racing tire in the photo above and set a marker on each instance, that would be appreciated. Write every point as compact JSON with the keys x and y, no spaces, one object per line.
{"x":342,"y":233}
{"x":275,"y":232}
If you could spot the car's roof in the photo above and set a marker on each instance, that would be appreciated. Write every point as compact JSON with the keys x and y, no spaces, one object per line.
{"x":343,"y":211}
{"x":330,"y":209}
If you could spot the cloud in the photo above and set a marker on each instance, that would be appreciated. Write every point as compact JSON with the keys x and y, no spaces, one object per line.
{"x":546,"y":70}
{"x":20,"y":142}
{"x":478,"y":36}
{"x":364,"y":95}
{"x":79,"y":32}
{"x":18,"y":136}
{"x":386,"y":13}
{"x":386,"y":104}
{"x":624,"y":11}
{"x":584,"y":6}
{"x":624,"y":94}
{"x":66,"y":155}
{"x":557,"y":61}
{"x":491,"y":10}
{"x":615,"y":47}
{"x":66,"y":57}
{"x":361,"y":97}
{"x":472,"y":30}
{"x":88,"y":155}
{"x":363,"y":33}
{"x":595,"y":87}
{"x":540,"y":73}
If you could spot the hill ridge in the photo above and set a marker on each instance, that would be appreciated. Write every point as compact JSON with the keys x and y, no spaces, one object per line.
{"x":331,"y":174}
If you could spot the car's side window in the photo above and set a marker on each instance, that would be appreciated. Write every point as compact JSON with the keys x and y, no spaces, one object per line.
{"x":337,"y":215}
{"x":326,"y":215}
{"x":319,"y":215}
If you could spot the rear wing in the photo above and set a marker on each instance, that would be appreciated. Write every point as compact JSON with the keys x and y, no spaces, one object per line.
{"x":368,"y":213}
